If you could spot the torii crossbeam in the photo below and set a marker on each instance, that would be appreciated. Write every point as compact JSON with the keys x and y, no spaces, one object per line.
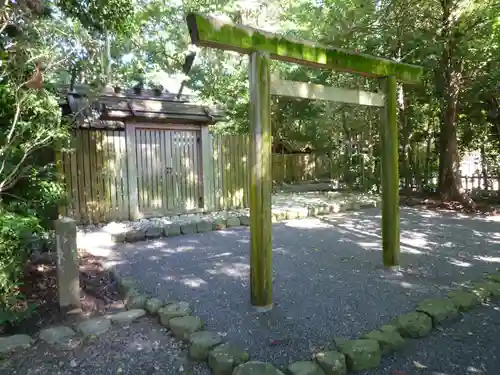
{"x":262,"y":46}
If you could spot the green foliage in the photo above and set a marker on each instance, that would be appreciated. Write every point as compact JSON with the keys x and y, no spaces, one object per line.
{"x":16,"y":233}
{"x":98,"y":15}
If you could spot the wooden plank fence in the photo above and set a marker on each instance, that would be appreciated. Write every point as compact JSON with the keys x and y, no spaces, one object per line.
{"x":97,"y":179}
{"x":95,"y":174}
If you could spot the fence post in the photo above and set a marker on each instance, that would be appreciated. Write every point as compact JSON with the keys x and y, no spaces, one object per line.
{"x":68,"y":276}
{"x":133,"y":192}
{"x":390,"y":175}
{"x":261,"y":277}
{"x":207,"y":170}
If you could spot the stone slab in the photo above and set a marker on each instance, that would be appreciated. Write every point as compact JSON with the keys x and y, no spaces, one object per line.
{"x":94,"y":327}
{"x":15,"y":342}
{"x":200,"y":344}
{"x":233,"y":221}
{"x":172,"y":230}
{"x":361,"y":355}
{"x":413,"y":324}
{"x":136,"y":301}
{"x":332,"y":362}
{"x":439,"y":309}
{"x":152,"y":305}
{"x":305,"y":368}
{"x":463,"y":300}
{"x":219,"y":224}
{"x":126,"y":317}
{"x":135,"y":235}
{"x":245,"y":220}
{"x":225,"y":357}
{"x":154,"y":231}
{"x":204,"y":226}
{"x":388,"y":338}
{"x":173,"y":310}
{"x":184,"y":326}
{"x":189,"y":228}
{"x":256,"y":368}
{"x":60,"y":335}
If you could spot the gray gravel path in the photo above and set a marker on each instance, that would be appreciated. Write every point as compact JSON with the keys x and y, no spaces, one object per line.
{"x":141,"y":348}
{"x":328,"y":280}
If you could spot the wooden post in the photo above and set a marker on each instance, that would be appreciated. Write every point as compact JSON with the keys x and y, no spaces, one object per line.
{"x":133,"y":190}
{"x":207,"y":170}
{"x":261,"y":268}
{"x":68,"y":274}
{"x":390,"y":175}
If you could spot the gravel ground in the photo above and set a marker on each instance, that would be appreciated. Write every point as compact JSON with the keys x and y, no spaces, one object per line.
{"x":143,"y":348}
{"x":328,"y":280}
{"x":470,"y":347}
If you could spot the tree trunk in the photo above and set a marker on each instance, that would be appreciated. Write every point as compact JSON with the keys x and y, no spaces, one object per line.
{"x":449,"y":182}
{"x":484,"y":168}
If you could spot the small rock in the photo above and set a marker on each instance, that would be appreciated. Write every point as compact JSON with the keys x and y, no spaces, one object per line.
{"x":60,"y":335}
{"x":438,"y":309}
{"x":125,"y":284}
{"x":388,"y":338}
{"x":305,"y":368}
{"x":413,"y":324}
{"x":245,"y":220}
{"x":233,"y":221}
{"x":189,"y":228}
{"x":118,"y":237}
{"x":201,"y":343}
{"x":136,"y":302}
{"x":183,"y":326}
{"x":256,"y":368}
{"x":204,"y":226}
{"x":361,"y":354}
{"x":332,"y":363}
{"x":135,"y":235}
{"x":219,"y":224}
{"x":12,"y":343}
{"x":485,"y":290}
{"x":154,"y":231}
{"x":464,"y":301}
{"x":495,"y":277}
{"x":153,"y":305}
{"x":171,"y":230}
{"x":126,"y":317}
{"x":224,"y":358}
{"x":94,"y":327}
{"x":173,"y":310}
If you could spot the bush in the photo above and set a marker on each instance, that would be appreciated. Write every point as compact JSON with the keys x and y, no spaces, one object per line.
{"x":16,"y":233}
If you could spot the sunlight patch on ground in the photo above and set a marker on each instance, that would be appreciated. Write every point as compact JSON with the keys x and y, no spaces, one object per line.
{"x":194,"y":282}
{"x":221,"y":255}
{"x":237,"y":270}
{"x":459,"y":263}
{"x":307,"y":224}
{"x":179,"y":249}
{"x":487,"y":259}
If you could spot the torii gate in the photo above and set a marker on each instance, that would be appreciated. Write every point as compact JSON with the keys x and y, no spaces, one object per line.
{"x":261,"y":47}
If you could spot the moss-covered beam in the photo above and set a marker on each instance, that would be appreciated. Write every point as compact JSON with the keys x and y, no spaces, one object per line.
{"x":211,"y":32}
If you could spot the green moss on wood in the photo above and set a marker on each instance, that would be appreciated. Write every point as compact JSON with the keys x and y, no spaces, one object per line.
{"x":210,"y":32}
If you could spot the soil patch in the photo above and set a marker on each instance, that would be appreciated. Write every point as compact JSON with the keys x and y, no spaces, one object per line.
{"x":39,"y":287}
{"x":483,"y":206}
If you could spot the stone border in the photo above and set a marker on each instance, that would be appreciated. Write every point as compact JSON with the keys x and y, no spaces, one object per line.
{"x":348,"y":356}
{"x":199,"y":223}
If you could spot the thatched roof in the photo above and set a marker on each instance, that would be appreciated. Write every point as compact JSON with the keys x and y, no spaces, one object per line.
{"x":110,"y":109}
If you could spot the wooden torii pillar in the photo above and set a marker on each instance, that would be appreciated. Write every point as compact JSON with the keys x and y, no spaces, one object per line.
{"x":262,"y":46}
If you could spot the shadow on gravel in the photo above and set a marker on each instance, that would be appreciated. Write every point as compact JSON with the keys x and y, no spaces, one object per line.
{"x":328,"y":279}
